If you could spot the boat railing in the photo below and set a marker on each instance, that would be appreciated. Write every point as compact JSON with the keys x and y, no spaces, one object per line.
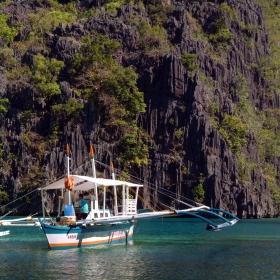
{"x":131,"y":207}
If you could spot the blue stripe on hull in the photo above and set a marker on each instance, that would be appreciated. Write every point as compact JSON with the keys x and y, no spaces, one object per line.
{"x":49,"y":229}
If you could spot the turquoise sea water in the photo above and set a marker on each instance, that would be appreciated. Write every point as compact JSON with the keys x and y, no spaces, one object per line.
{"x":161,"y":249}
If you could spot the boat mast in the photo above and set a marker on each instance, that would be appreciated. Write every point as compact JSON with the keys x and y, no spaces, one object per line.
{"x":68,"y":170}
{"x":104,"y":198}
{"x":115,"y":192}
{"x":123,"y":194}
{"x":136,"y":197}
{"x":43,"y":205}
{"x":94,"y":174}
{"x":126,"y":201}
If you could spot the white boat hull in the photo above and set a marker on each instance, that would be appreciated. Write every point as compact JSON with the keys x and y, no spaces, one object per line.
{"x":67,"y":237}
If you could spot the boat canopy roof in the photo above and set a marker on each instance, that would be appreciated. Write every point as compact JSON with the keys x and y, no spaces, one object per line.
{"x":86,"y":183}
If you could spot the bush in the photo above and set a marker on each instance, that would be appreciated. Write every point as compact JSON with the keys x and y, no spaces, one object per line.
{"x":44,"y":75}
{"x":198,"y":191}
{"x":113,"y":5}
{"x":245,"y":167}
{"x":227,"y":12}
{"x":4,"y":198}
{"x":27,"y":115}
{"x":236,"y":131}
{"x":44,"y":21}
{"x":95,"y":52}
{"x":100,"y":80}
{"x":26,"y":140}
{"x":178,"y":133}
{"x":121,"y":84}
{"x":4,"y":103}
{"x":188,"y":60}
{"x":6,"y":32}
{"x":270,"y":174}
{"x":7,"y":58}
{"x":68,"y":111}
{"x":223,"y":36}
{"x":153,"y":40}
{"x":132,"y":148}
{"x":159,"y":13}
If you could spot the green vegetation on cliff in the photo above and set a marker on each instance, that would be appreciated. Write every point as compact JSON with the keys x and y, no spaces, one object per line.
{"x":270,"y":65}
{"x":6,"y":32}
{"x":223,"y":36}
{"x":44,"y":76}
{"x":78,"y":64}
{"x":99,"y":79}
{"x":198,"y":191}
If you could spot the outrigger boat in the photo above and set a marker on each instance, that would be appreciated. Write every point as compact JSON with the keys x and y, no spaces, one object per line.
{"x":104,"y":226}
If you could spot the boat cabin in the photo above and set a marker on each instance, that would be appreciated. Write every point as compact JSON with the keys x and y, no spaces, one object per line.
{"x":95,"y":212}
{"x":124,"y":206}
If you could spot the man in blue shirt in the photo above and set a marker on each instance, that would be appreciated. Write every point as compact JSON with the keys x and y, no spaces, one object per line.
{"x":84,"y":208}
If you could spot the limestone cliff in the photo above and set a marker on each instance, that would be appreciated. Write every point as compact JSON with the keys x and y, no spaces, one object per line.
{"x":185,"y":141}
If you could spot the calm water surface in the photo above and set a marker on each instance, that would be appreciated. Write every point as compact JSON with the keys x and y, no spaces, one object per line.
{"x":161,"y":249}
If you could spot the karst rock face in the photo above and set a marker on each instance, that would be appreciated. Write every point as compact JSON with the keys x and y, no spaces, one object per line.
{"x":176,"y":100}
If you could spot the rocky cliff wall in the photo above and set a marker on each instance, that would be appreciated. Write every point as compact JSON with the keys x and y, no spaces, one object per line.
{"x":176,"y":100}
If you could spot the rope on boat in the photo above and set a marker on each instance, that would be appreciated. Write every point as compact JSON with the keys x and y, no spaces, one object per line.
{"x":137,"y":180}
{"x":14,"y":209}
{"x":48,"y":212}
{"x":17,"y":199}
{"x":142,"y":199}
{"x":165,"y":192}
{"x":36,"y":189}
{"x":134,"y":179}
{"x":6,"y":214}
{"x":154,"y":188}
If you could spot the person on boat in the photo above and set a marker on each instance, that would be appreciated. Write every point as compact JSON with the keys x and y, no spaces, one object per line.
{"x":84,"y":208}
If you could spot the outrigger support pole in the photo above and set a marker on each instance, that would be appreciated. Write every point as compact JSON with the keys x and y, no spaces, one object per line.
{"x":214,"y":214}
{"x":224,"y":211}
{"x":200,"y":217}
